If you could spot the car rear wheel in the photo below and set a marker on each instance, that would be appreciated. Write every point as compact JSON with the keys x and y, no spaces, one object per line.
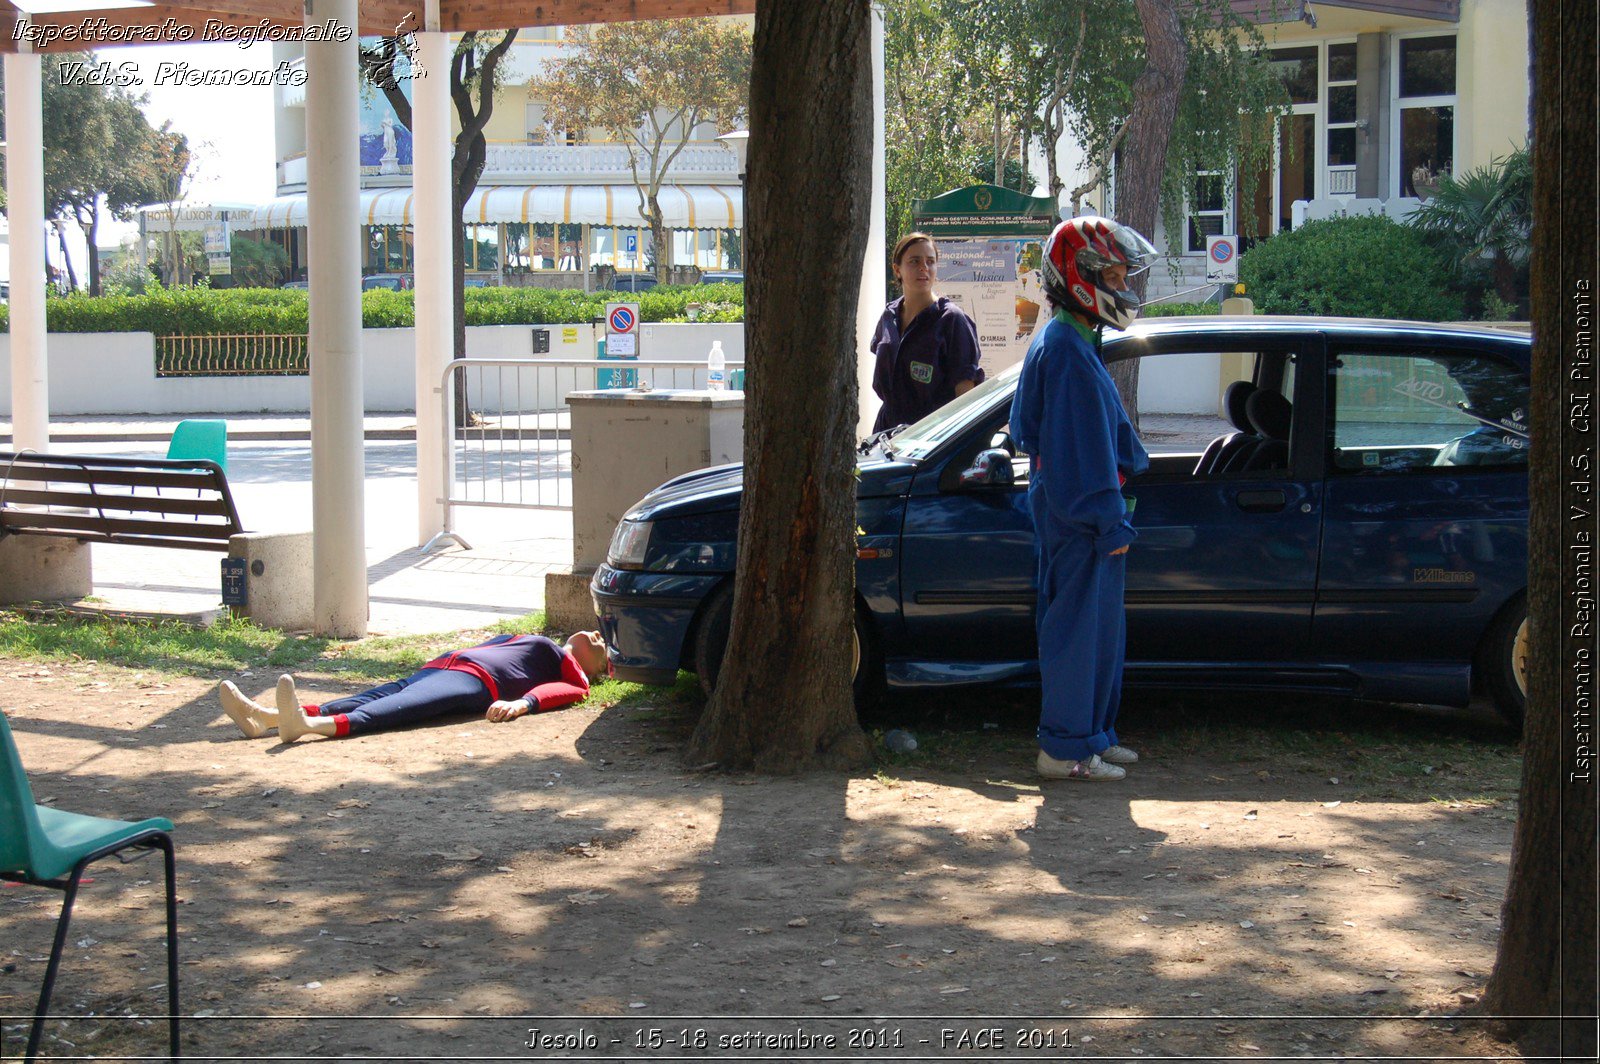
{"x":1503,"y":660}
{"x":711,"y":643}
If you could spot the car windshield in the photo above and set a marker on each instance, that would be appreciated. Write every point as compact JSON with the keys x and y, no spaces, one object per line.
{"x":918,"y":441}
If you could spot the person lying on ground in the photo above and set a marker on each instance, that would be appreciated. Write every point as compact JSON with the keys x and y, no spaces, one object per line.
{"x":503,"y":678}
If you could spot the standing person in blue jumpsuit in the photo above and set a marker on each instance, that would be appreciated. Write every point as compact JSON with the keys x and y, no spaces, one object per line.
{"x":504,"y":678}
{"x":1068,"y":417}
{"x":926,"y":346}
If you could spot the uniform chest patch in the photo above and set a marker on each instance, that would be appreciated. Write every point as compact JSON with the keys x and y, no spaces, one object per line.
{"x":921,"y":372}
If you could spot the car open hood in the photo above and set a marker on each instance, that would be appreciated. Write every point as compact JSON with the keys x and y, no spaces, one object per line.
{"x":720,"y":488}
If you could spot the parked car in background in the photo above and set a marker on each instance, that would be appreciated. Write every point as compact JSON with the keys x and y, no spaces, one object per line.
{"x":718,"y":276}
{"x":634,"y":282}
{"x":1360,"y":528}
{"x":303,"y":285}
{"x":394,"y":282}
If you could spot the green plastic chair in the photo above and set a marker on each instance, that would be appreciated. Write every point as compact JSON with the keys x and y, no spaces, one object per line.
{"x":46,"y":847}
{"x":200,"y":438}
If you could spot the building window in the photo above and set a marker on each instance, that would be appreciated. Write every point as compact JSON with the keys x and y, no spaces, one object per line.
{"x":1341,"y":119}
{"x":1426,"y":100}
{"x":1297,"y":67}
{"x":1208,"y":208}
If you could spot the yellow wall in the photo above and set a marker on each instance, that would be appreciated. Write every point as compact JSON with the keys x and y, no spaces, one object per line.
{"x":1492,"y":81}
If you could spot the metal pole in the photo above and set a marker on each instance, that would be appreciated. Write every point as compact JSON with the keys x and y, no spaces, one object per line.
{"x":874,"y":292}
{"x":435,"y":313}
{"x":333,"y":201}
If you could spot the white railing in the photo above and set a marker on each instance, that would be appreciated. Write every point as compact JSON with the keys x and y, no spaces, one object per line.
{"x":512,"y":444}
{"x":535,"y":164}
{"x":607,"y":162}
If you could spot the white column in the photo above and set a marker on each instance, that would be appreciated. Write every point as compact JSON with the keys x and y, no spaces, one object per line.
{"x":430,"y":175}
{"x":874,"y":290}
{"x":338,"y":537}
{"x":30,"y":367}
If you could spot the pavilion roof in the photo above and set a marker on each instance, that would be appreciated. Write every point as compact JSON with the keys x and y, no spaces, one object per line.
{"x":378,"y":17}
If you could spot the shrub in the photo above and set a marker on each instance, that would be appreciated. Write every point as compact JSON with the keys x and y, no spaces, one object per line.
{"x":1178,"y":310}
{"x":200,"y":311}
{"x":1362,"y":267}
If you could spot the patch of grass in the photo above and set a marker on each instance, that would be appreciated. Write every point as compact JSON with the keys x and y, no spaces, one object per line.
{"x":227,"y":646}
{"x":528,"y":623}
{"x":165,"y":646}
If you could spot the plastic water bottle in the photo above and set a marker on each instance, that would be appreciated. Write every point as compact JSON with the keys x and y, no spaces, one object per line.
{"x":716,"y":368}
{"x":900,"y":741}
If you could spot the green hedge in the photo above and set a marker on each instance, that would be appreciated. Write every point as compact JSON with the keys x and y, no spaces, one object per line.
{"x":1363,"y":267}
{"x":1178,"y":310}
{"x":204,"y":311}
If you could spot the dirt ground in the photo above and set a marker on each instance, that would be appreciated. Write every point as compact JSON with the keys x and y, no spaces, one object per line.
{"x":439,"y":893}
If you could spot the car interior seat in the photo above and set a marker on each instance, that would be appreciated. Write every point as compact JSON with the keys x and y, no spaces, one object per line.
{"x":1222,"y":450}
{"x":1270,"y":414}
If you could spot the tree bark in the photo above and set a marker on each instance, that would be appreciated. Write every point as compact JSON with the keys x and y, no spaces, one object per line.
{"x":1143,"y":157}
{"x":1546,"y":961}
{"x":783,"y":700}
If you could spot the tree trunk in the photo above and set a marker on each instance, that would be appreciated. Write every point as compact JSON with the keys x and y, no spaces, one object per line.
{"x":91,"y":231}
{"x":66,"y":257}
{"x":1546,"y":962}
{"x":783,"y":701}
{"x":1143,"y":156}
{"x":999,"y":155}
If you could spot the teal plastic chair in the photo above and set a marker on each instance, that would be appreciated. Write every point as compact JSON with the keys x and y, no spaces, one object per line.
{"x":46,"y":847}
{"x":200,"y":438}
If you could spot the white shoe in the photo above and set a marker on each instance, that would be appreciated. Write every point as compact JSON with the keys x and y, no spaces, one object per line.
{"x":254,"y":719}
{"x":1093,"y":769}
{"x":1119,"y":755}
{"x":292,"y":720}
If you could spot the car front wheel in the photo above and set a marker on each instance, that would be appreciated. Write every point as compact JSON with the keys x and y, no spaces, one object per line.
{"x":711,"y":644}
{"x":1503,"y":660}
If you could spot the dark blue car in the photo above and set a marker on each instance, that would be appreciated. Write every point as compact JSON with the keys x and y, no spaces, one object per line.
{"x":1355,"y":522}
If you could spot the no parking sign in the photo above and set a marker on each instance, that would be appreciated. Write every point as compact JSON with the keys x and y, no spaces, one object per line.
{"x":1222,"y":258}
{"x":622,"y":341}
{"x":622,"y":330}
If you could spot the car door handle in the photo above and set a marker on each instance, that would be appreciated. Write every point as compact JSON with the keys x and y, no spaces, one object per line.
{"x":1261,"y":502}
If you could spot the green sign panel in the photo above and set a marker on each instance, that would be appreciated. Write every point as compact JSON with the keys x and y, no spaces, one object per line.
{"x":985,"y":210}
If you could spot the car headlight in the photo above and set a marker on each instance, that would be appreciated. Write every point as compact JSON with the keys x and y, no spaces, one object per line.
{"x":628,"y":545}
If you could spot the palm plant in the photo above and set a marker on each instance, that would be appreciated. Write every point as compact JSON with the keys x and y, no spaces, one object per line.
{"x":1484,"y":218}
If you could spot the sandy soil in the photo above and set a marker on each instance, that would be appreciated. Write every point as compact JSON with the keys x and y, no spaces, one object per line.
{"x":436,"y":894}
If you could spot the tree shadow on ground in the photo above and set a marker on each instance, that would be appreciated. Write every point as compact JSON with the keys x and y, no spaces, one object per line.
{"x":566,"y":866}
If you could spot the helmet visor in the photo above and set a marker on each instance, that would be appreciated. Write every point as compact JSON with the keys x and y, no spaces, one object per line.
{"x":1123,"y":247}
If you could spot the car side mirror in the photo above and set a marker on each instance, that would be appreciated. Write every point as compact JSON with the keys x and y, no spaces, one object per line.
{"x":990,"y":469}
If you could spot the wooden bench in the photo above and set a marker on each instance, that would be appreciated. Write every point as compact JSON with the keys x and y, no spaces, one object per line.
{"x":97,"y":499}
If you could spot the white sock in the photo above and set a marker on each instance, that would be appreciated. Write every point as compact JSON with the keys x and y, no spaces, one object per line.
{"x":254,"y":719}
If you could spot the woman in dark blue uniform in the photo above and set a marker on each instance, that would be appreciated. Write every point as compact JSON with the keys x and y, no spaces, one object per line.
{"x":1069,"y":419}
{"x":926,"y":346}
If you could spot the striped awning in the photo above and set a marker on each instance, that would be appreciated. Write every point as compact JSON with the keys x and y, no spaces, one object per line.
{"x":684,"y":206}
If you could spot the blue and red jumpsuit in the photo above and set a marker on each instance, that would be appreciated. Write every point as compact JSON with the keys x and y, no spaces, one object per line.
{"x":1068,"y":417}
{"x":506,"y":667}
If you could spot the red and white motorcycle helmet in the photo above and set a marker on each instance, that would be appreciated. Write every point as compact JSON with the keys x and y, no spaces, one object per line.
{"x":1076,"y":255}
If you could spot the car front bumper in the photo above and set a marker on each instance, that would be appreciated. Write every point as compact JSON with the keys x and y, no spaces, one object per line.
{"x":646,"y":620}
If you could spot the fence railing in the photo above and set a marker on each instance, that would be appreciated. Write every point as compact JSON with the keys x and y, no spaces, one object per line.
{"x":508,"y":435}
{"x":237,"y":355}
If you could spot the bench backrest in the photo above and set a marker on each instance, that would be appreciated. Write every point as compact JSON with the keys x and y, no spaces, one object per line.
{"x":148,"y":502}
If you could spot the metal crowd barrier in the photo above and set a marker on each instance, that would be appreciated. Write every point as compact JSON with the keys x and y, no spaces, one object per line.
{"x":508,"y":436}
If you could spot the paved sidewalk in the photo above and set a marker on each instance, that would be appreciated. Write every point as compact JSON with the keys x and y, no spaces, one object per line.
{"x":501,"y":576}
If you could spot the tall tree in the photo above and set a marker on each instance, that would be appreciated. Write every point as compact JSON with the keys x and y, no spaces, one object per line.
{"x":98,"y":149}
{"x":928,"y":119}
{"x":783,"y":701}
{"x":475,"y":75}
{"x":1143,"y":155}
{"x":1546,"y":962}
{"x":650,"y":86}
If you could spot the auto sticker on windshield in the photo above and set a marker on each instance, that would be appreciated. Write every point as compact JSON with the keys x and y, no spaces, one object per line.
{"x":1432,"y":393}
{"x":922,"y":372}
